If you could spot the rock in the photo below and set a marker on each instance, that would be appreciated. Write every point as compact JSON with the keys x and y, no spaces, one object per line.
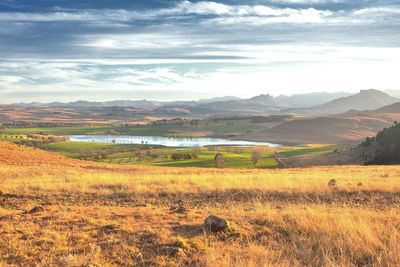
{"x":216,"y":224}
{"x":35,"y":209}
{"x":175,"y":223}
{"x":332,"y":183}
{"x":359,"y":184}
{"x":181,"y":208}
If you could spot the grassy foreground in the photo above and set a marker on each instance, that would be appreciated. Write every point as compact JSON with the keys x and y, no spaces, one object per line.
{"x":98,"y":214}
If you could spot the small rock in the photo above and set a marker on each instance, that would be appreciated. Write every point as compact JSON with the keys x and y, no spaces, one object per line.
{"x":216,"y":224}
{"x":175,"y":223}
{"x":359,"y":184}
{"x":35,"y":209}
{"x":181,"y":208}
{"x":332,"y":183}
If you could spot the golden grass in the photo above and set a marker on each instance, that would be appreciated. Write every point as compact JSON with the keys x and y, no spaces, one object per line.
{"x":146,"y":180}
{"x":108,"y":215}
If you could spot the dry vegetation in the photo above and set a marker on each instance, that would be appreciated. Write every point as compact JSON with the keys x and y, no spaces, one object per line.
{"x":108,"y":215}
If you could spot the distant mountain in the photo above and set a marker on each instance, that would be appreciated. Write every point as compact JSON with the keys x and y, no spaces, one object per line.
{"x":394,"y":93}
{"x":257,"y":104}
{"x":264,"y":103}
{"x":141,"y":104}
{"x":145,"y":104}
{"x":266,"y":100}
{"x":365,"y":100}
{"x":394,"y":108}
{"x":238,"y":106}
{"x":310,"y":99}
{"x":218,"y":99}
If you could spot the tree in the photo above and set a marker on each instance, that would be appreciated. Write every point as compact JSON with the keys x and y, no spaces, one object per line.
{"x":255,"y":157}
{"x":219,"y":161}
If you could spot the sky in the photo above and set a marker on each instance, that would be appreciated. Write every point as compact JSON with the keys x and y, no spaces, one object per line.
{"x":66,"y":50}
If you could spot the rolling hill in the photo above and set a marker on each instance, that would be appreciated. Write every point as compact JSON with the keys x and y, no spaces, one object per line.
{"x":310,"y":99}
{"x":258,"y":104}
{"x":365,"y":100}
{"x":349,"y":127}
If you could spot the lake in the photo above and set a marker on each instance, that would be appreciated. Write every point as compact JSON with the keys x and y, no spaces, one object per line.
{"x":165,"y":141}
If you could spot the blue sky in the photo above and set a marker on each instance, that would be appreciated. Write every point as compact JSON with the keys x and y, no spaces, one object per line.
{"x":64,"y":50}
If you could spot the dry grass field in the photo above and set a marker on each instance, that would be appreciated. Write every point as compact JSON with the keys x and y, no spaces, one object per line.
{"x":93,"y":214}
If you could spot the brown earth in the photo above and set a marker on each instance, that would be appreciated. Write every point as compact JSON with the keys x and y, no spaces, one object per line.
{"x":343,"y":129}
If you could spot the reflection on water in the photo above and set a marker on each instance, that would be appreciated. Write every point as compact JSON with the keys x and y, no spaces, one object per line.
{"x":165,"y":141}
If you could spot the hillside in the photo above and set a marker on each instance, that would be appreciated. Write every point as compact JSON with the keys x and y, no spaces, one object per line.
{"x":394,"y":108}
{"x":384,"y":148}
{"x":346,"y":128}
{"x":11,"y":154}
{"x":319,"y":130}
{"x":110,"y":215}
{"x":364,"y":100}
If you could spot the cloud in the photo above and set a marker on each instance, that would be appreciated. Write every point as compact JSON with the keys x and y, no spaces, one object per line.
{"x":377,"y":11}
{"x":183,"y":8}
{"x":212,"y":47}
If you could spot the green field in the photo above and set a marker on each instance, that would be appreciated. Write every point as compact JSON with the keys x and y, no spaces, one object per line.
{"x":187,"y":128}
{"x":95,"y":130}
{"x":234,"y":157}
{"x":162,"y":156}
{"x":315,"y":150}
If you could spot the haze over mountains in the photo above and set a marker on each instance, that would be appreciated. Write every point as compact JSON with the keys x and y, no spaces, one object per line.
{"x":347,"y":119}
{"x":312,"y":103}
{"x":364,"y":100}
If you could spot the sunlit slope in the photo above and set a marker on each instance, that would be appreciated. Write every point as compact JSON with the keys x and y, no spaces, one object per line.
{"x":11,"y":154}
{"x":48,"y":171}
{"x":97,"y":214}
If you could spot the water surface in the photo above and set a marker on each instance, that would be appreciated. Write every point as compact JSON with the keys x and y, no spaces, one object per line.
{"x":165,"y":141}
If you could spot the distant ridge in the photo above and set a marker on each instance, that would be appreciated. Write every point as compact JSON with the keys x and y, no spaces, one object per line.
{"x":260,"y":104}
{"x":365,"y":100}
{"x":218,"y":99}
{"x":310,"y":99}
{"x":394,"y":108}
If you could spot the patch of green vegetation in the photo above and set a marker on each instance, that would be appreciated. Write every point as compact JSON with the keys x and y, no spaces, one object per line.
{"x":55,"y":130}
{"x":320,"y":150}
{"x":204,"y":158}
{"x":90,"y":150}
{"x":13,"y":138}
{"x":183,"y":128}
{"x":95,"y":130}
{"x":234,"y":128}
{"x":234,"y":157}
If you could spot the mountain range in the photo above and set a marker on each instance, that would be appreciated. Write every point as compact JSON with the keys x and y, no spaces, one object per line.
{"x":312,"y":103}
{"x":365,"y":100}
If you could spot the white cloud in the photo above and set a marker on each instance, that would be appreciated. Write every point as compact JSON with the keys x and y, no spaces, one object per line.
{"x":226,"y":14}
{"x":10,"y":79}
{"x":204,"y":47}
{"x":231,"y":12}
{"x":135,"y":40}
{"x":377,"y":11}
